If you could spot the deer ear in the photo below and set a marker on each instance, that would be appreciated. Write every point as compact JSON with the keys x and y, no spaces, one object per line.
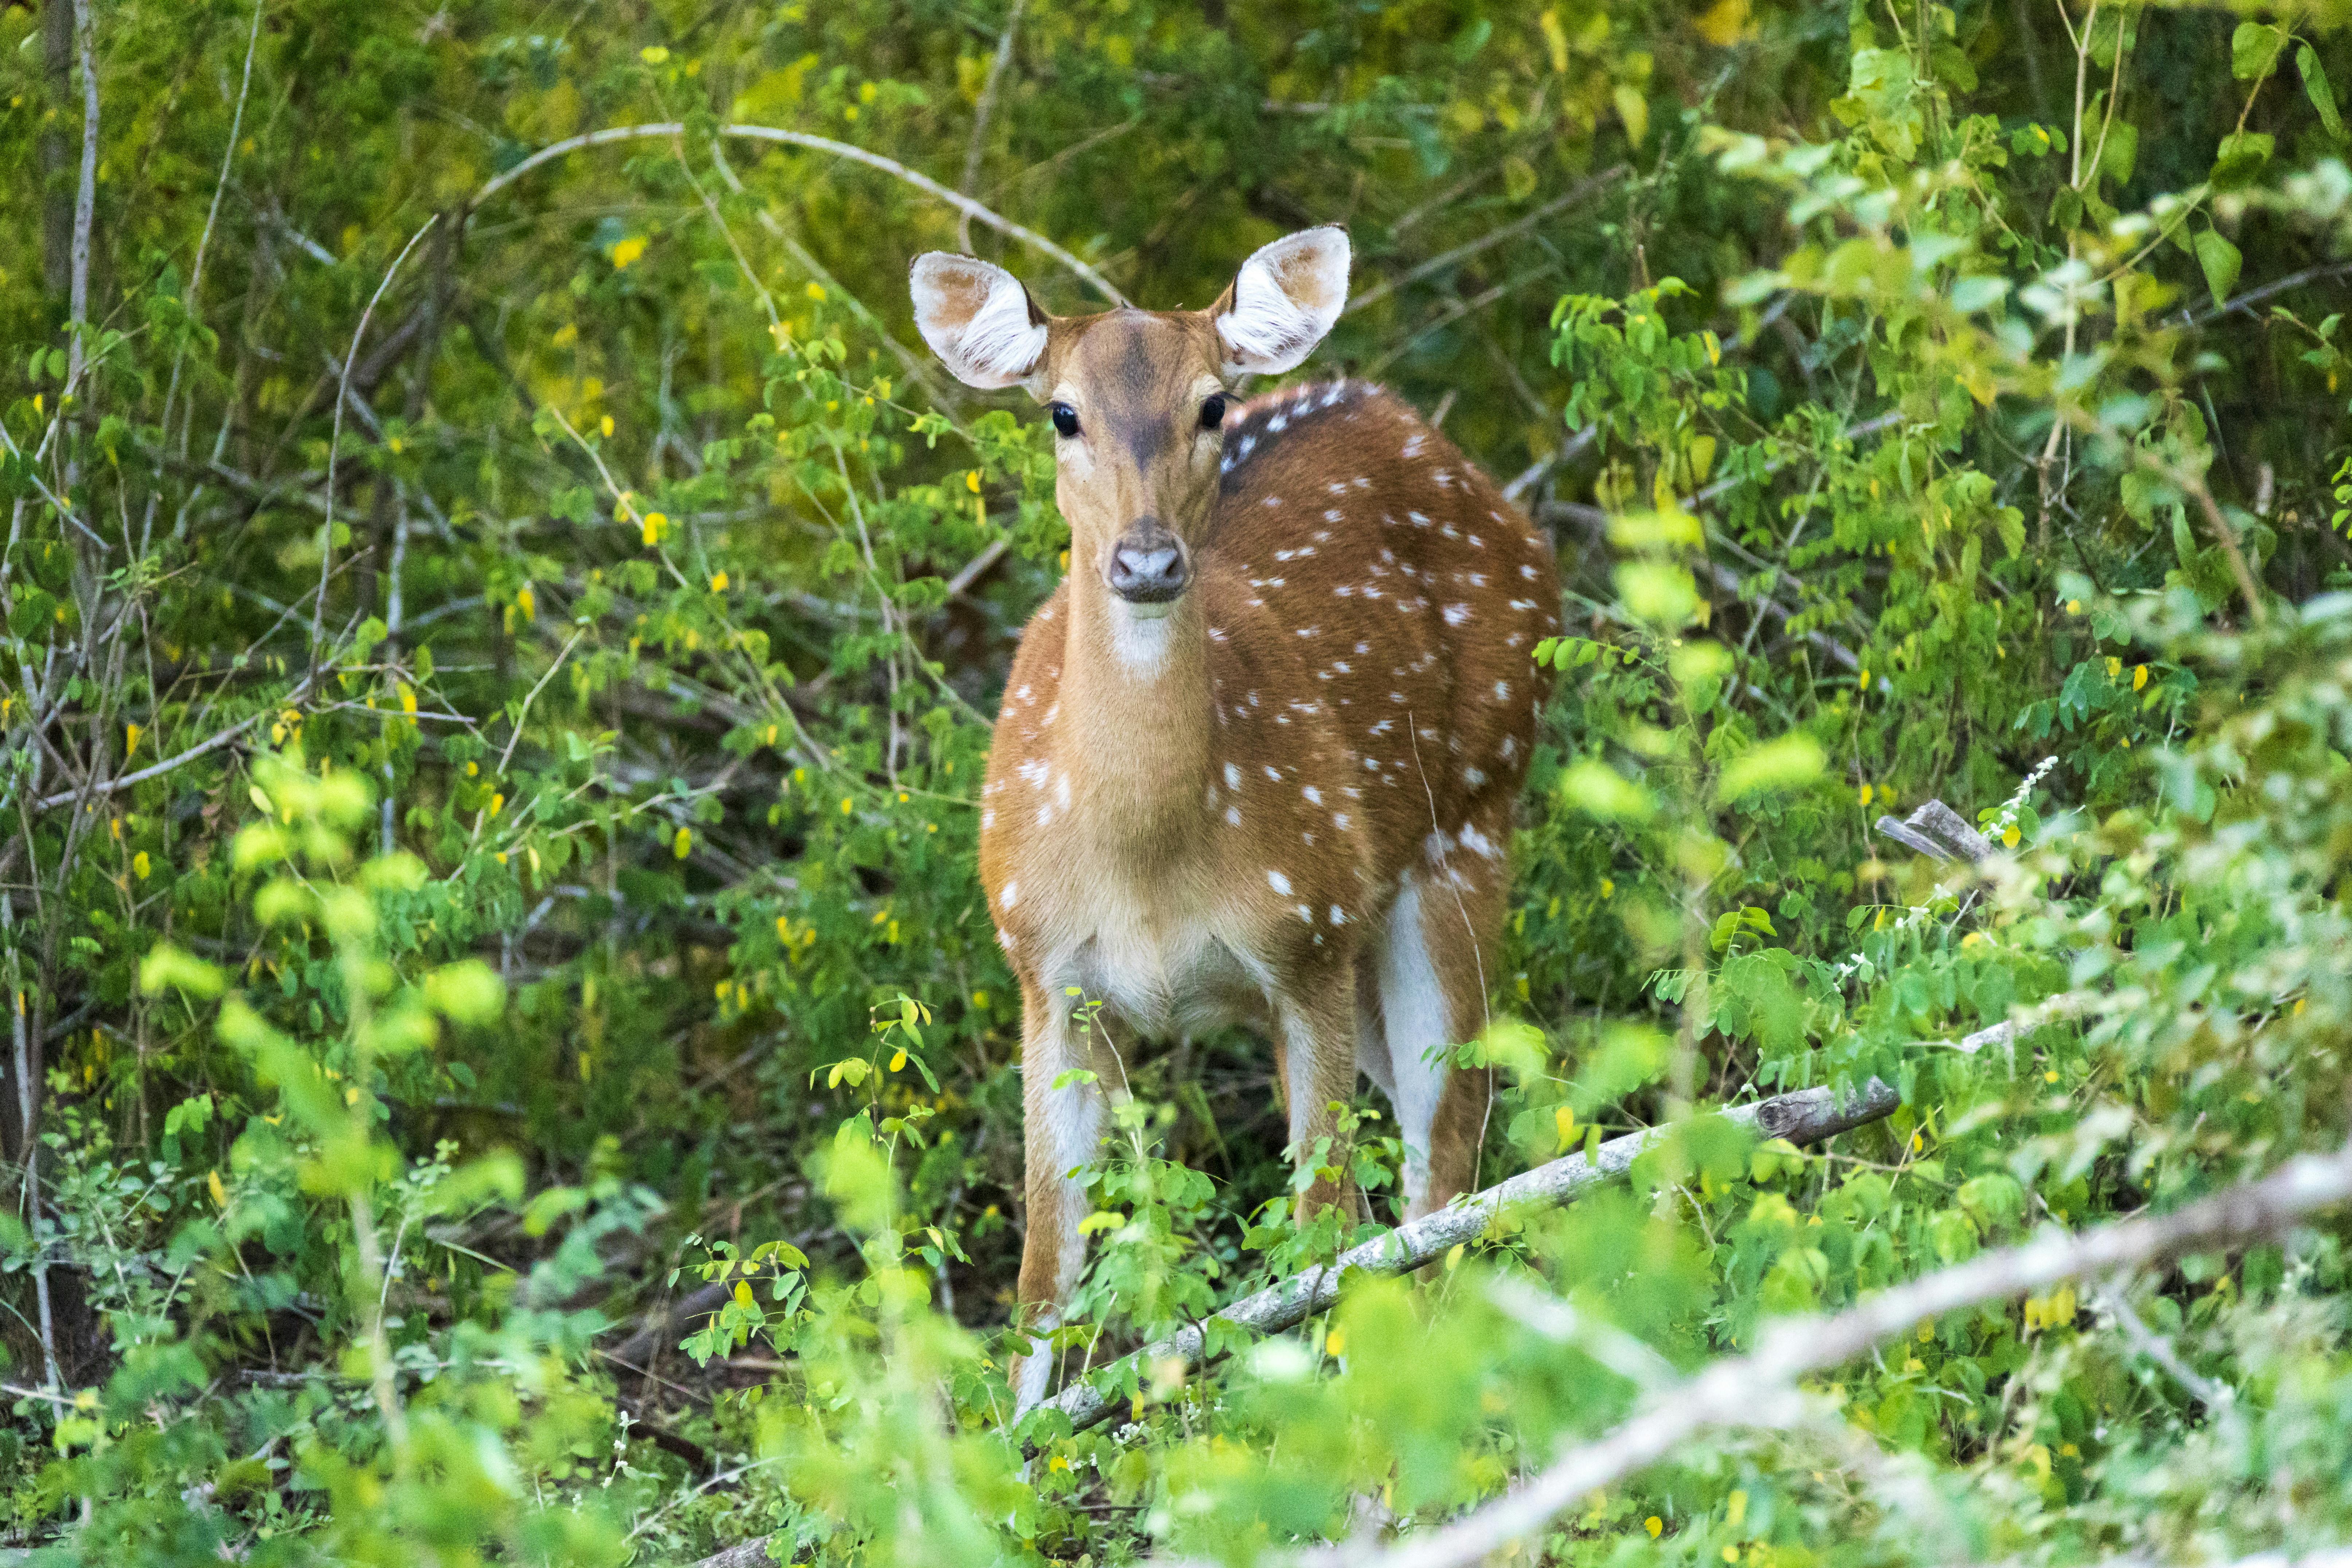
{"x":1282,"y":301}
{"x":978,"y":319}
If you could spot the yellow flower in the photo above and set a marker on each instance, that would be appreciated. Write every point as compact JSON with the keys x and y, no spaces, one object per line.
{"x":2009,"y":836}
{"x":2139,"y":676}
{"x":971,"y":481}
{"x":1563,"y":1120}
{"x":898,"y":1059}
{"x":1865,"y":794}
{"x":497,"y":802}
{"x":605,"y":425}
{"x":131,"y":733}
{"x":212,"y":1185}
{"x":627,"y":250}
{"x":817,"y":292}
{"x":1336,"y":1342}
{"x":140,"y":865}
{"x":719,"y":582}
{"x":656,"y":525}
{"x":683,"y":845}
{"x":2073,"y":606}
{"x":1654,"y":1525}
{"x":527,"y":601}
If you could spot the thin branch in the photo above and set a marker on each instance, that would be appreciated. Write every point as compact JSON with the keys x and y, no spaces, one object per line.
{"x":1759,"y":1388}
{"x":890,"y":166}
{"x":84,"y":199}
{"x":1460,"y":253}
{"x":335,"y":440}
{"x":156,"y":770}
{"x":980,"y":116}
{"x":1806,"y":1116}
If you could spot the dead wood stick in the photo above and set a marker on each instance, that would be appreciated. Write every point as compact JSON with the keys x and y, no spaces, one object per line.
{"x":1806,"y":1116}
{"x":1760,"y":1388}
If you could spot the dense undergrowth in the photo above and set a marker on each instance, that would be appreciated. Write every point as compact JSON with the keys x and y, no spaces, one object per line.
{"x":498,"y":658}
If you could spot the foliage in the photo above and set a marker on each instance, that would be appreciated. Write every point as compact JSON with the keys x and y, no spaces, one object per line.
{"x":499,"y":656}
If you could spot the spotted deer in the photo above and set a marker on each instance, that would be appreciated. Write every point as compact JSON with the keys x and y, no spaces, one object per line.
{"x":1258,"y":753}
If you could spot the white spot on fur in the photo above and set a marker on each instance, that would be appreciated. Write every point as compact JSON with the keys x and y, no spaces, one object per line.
{"x":1277,"y":881}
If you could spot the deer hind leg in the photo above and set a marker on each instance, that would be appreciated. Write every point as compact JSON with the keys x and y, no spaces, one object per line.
{"x":1316,"y":1028}
{"x":1438,"y":956}
{"x":1061,"y":1129}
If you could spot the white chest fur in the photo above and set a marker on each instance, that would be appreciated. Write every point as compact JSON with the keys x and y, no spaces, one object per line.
{"x":1168,"y":958}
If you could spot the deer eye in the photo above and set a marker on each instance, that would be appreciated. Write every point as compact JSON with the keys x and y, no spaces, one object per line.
{"x":1213,"y":412}
{"x":1066,"y":418}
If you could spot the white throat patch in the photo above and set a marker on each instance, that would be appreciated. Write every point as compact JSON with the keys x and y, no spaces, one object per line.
{"x":1140,"y":635}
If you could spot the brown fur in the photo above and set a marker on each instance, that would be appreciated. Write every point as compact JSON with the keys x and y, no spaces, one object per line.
{"x":1354,"y":651}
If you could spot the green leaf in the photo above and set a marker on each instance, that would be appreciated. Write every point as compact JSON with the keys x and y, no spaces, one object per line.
{"x":1602,"y":790}
{"x":2120,"y":155}
{"x":2240,"y":158}
{"x":467,"y":991}
{"x":2315,"y":86}
{"x":1789,"y":762}
{"x":2254,"y":49}
{"x":170,"y":968}
{"x":2221,"y":260}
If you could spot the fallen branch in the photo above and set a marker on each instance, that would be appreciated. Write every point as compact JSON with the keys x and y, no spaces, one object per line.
{"x":1760,"y":1388}
{"x":1806,"y":1116}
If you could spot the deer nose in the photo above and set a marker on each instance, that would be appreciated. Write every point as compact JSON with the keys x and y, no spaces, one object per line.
{"x":1148,"y":564}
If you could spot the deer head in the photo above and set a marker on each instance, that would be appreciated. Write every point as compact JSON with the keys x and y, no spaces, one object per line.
{"x":1138,"y":398}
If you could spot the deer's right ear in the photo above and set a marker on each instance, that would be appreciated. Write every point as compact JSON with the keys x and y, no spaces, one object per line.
{"x":978,"y":319}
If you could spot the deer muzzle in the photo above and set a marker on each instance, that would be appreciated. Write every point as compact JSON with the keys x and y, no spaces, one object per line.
{"x":1149,"y":565}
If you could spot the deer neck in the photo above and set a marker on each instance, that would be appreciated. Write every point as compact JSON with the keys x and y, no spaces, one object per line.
{"x":1136,"y":705}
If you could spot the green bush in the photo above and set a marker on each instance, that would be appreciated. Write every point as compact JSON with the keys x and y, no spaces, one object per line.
{"x":508,"y":1058}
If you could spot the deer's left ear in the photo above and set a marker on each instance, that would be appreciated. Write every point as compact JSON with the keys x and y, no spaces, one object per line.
{"x":1282,"y":302}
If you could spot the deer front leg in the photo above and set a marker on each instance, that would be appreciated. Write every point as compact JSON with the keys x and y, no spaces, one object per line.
{"x":1061,"y":1129}
{"x":1316,"y":1053}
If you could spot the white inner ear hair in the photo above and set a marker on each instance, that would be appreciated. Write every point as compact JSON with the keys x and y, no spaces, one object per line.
{"x":1286,"y":298}
{"x":996,"y":345}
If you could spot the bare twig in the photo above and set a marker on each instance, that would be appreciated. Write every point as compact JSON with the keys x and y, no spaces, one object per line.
{"x":1806,"y":1116}
{"x":1759,"y":1389}
{"x":84,"y":199}
{"x":335,"y":440}
{"x":890,"y":166}
{"x":1585,"y":187}
{"x":982,"y":113}
{"x":201,"y":748}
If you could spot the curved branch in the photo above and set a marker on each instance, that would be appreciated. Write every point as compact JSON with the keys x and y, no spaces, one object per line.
{"x":1759,"y":1388}
{"x":891,"y":166}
